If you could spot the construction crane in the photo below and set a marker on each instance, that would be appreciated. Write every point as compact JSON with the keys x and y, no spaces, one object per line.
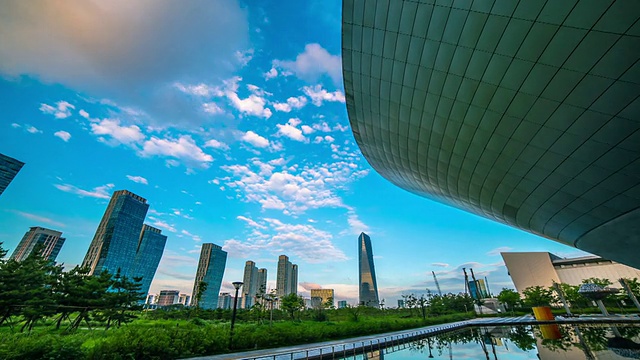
{"x":437,"y":284}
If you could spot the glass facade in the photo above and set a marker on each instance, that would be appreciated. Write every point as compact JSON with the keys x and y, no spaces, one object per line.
{"x":210,"y":270}
{"x":524,"y":112}
{"x":50,"y":240}
{"x":368,"y":284}
{"x":9,"y":168}
{"x":148,"y":255}
{"x":286,"y":277}
{"x":250,"y":282}
{"x":115,"y":243}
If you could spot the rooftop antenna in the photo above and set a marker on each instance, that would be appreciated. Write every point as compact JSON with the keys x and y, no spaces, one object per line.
{"x":437,"y":284}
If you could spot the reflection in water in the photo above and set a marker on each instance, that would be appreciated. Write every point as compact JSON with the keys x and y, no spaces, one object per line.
{"x":567,"y":342}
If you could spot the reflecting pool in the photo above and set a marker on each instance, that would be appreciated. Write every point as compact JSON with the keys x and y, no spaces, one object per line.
{"x":619,"y":341}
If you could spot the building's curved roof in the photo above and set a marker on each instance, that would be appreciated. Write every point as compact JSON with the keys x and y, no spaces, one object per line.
{"x":525,"y":112}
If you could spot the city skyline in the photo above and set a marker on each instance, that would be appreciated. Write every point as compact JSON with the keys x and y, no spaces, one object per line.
{"x":245,"y":143}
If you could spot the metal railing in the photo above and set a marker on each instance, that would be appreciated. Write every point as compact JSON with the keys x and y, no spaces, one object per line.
{"x":387,"y":343}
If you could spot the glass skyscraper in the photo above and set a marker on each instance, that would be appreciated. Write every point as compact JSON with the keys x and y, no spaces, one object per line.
{"x":368,"y":284}
{"x":150,"y":249}
{"x":286,"y":277}
{"x":50,"y":240}
{"x":9,"y":168}
{"x":210,"y":270}
{"x":115,"y":244}
{"x":249,"y":287}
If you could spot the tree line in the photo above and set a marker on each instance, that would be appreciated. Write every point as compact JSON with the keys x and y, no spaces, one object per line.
{"x":36,"y":288}
{"x":545,"y":296}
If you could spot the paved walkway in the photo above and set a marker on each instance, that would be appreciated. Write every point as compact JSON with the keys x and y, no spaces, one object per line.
{"x":374,"y":342}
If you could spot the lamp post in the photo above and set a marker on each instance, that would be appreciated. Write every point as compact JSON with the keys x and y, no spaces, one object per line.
{"x":271,"y":298}
{"x":237,"y":285}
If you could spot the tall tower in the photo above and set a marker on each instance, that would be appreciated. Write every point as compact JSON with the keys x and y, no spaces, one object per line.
{"x":50,"y":240}
{"x":115,"y":244}
{"x":262,"y":281}
{"x":249,"y":287}
{"x":282,"y":277}
{"x":368,"y":284}
{"x":210,"y":270}
{"x":148,"y":254}
{"x":9,"y":168}
{"x":293,"y":279}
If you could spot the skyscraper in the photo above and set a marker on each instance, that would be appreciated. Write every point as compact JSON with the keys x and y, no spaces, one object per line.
{"x":150,"y":248}
{"x":115,"y":244}
{"x":261,"y":288}
{"x":210,"y":270}
{"x":249,"y":287}
{"x":368,"y":284}
{"x":293,"y":279}
{"x":50,"y":240}
{"x":286,"y":277}
{"x":322,"y":298}
{"x":9,"y":168}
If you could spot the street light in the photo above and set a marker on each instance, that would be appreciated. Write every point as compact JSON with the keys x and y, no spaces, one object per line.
{"x":237,"y":285}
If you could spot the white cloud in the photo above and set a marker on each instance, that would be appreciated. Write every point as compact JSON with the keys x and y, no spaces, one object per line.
{"x":100,"y":192}
{"x":323,"y":126}
{"x":304,"y":241}
{"x":255,"y":139}
{"x":212,"y":108}
{"x":120,"y":134}
{"x":356,"y":225}
{"x":243,"y":57}
{"x":306,"y":129}
{"x":291,"y":104}
{"x":15,"y":125}
{"x":254,"y":105}
{"x":103,"y":49}
{"x":295,"y":188}
{"x":291,"y":131}
{"x":201,"y":89}
{"x":440,"y":264}
{"x":39,"y":218}
{"x":164,"y":225}
{"x":273,"y":72}
{"x":84,"y":114}
{"x":250,"y":222}
{"x":192,"y":236}
{"x":138,"y":179}
{"x":34,"y":130}
{"x":498,"y":250}
{"x":65,"y":136}
{"x":318,"y":95}
{"x":183,"y":148}
{"x":213,"y":143}
{"x":60,"y":111}
{"x":314,"y":62}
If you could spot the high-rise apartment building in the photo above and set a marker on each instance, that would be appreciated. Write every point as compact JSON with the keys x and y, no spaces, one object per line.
{"x":115,"y":244}
{"x":286,"y":277}
{"x":249,"y":286}
{"x":293,"y":279}
{"x":322,"y":298}
{"x":49,"y":241}
{"x":9,"y":168}
{"x":368,"y":284}
{"x":148,"y":254}
{"x":342,"y":304}
{"x":210,"y":270}
{"x":168,"y":297}
{"x":224,"y":301}
{"x":261,"y":288}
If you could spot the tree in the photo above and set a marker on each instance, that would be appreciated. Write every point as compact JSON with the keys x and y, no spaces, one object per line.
{"x":598,"y":281}
{"x":291,"y":304}
{"x":202,"y":287}
{"x":509,"y":297}
{"x":573,"y":297}
{"x":538,"y":296}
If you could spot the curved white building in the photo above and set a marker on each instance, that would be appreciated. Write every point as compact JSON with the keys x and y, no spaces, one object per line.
{"x":525,"y":112}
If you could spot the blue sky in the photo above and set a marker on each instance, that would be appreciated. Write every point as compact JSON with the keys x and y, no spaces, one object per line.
{"x":229,"y":118}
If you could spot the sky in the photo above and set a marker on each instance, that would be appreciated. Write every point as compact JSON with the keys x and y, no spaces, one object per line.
{"x":229,"y":118}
